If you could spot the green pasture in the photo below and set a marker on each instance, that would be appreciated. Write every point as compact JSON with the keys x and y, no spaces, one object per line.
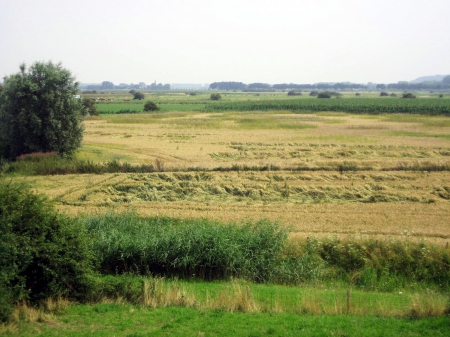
{"x":111,"y":319}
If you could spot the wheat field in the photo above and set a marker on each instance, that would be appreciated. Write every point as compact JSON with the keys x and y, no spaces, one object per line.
{"x":382,"y":176}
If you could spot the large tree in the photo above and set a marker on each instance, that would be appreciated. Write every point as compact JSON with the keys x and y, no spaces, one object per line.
{"x":40,"y":111}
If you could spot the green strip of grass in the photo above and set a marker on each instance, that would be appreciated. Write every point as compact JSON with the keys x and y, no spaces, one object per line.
{"x":127,"y":320}
{"x":418,"y":134}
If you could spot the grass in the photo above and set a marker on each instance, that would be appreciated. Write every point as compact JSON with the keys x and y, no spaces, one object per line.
{"x":419,"y":134}
{"x":128,"y":320}
{"x":259,"y":252}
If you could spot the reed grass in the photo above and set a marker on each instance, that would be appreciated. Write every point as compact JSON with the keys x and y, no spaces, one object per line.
{"x":259,"y":252}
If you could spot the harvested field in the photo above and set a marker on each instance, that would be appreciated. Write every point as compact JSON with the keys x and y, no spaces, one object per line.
{"x":384,"y":176}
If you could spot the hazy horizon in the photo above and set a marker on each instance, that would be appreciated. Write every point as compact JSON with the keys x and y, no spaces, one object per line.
{"x":175,"y":41}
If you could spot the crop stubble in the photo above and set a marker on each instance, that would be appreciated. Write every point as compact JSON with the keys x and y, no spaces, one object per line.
{"x":372,"y":197}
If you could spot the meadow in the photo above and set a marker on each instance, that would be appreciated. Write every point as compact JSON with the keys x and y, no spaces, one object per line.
{"x":361,"y":184}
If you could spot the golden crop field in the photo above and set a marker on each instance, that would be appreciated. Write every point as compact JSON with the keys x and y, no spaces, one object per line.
{"x":320,"y":174}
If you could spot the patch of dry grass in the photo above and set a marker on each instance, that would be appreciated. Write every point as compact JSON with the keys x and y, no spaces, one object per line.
{"x":369,"y":202}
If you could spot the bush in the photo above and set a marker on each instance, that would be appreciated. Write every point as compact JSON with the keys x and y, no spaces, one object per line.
{"x":324,"y":94}
{"x":138,"y":95}
{"x":294,"y":93}
{"x":42,"y":254}
{"x":357,"y":94}
{"x":408,"y":95}
{"x":313,"y":93}
{"x":151,"y":106}
{"x":383,"y":93}
{"x":393,"y":95}
{"x":216,"y":97}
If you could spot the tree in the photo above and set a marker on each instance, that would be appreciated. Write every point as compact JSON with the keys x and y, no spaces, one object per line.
{"x":294,"y":93}
{"x":446,"y":79}
{"x":39,"y":112}
{"x":383,"y":93}
{"x":107,"y":85}
{"x":151,"y":106}
{"x":90,"y":106}
{"x":138,"y":95}
{"x":408,"y":95}
{"x":216,"y":97}
{"x":324,"y":94}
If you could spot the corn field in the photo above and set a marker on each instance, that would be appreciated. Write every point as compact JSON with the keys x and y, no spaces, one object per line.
{"x":361,"y":105}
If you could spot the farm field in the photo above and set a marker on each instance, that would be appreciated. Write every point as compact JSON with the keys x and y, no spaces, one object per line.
{"x":325,"y":173}
{"x":363,"y":199}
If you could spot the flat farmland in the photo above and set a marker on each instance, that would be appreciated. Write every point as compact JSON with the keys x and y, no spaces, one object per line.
{"x":328,"y":173}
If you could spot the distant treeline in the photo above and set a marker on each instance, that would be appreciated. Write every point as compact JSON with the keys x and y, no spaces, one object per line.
{"x":402,"y":85}
{"x":107,"y":85}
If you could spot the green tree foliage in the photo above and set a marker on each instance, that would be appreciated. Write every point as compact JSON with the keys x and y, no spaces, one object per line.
{"x":151,"y":106}
{"x":216,"y":97}
{"x":107,"y":85}
{"x":90,"y":107}
{"x":446,"y":80}
{"x":294,"y":93}
{"x":228,"y":86}
{"x":42,"y":254}
{"x":138,"y":95}
{"x":313,"y":93}
{"x":259,"y":86}
{"x":324,"y":94}
{"x":408,"y":95}
{"x":383,"y":93}
{"x":38,"y":112}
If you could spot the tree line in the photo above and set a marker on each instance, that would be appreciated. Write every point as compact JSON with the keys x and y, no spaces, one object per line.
{"x":108,"y":85}
{"x":401,"y":85}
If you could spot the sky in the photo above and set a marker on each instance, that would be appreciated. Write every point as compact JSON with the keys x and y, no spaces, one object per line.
{"x":205,"y":41}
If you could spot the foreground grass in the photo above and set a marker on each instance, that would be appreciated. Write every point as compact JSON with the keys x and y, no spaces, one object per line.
{"x":110,"y":319}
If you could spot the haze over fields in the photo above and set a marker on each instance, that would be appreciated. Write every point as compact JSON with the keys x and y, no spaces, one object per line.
{"x":199,"y":41}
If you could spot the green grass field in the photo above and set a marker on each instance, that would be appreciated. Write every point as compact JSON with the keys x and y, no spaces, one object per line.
{"x":110,"y":319}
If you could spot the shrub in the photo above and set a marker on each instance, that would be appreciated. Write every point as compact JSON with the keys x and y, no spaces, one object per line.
{"x":393,"y":95}
{"x":294,"y":93}
{"x":42,"y":254}
{"x":441,"y":95}
{"x":151,"y":106}
{"x":215,"y":97}
{"x":383,"y":93}
{"x":313,"y":93}
{"x":324,"y":94}
{"x":357,"y":94}
{"x":138,"y":95}
{"x":408,"y":95}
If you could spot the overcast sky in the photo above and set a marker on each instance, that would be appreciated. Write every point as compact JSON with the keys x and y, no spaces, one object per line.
{"x":204,"y":41}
